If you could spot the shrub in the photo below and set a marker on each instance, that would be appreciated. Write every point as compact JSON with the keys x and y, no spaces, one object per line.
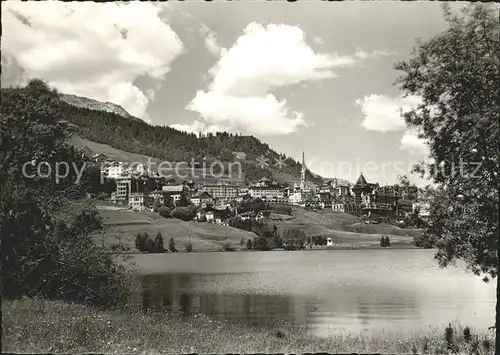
{"x":467,"y":334}
{"x":249,"y":244}
{"x":282,"y":209}
{"x":261,"y":243}
{"x":188,"y":247}
{"x":66,"y":264}
{"x":295,"y":239}
{"x":448,"y":337}
{"x":277,"y":241}
{"x":424,"y":241}
{"x":227,"y":246}
{"x":184,"y":213}
{"x":102,"y":196}
{"x":164,"y":212}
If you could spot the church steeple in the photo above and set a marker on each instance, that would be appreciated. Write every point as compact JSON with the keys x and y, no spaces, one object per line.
{"x":303,"y":173}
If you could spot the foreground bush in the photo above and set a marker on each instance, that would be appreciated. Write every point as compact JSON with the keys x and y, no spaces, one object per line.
{"x":60,"y":260}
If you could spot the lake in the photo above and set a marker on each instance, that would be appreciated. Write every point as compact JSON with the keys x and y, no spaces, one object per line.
{"x":380,"y":290}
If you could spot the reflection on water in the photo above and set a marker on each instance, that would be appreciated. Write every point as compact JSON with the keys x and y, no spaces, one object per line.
{"x":355,"y":291}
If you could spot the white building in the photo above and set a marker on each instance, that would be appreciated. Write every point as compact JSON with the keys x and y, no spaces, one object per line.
{"x":175,"y":192}
{"x":201,"y":198}
{"x":295,"y":198}
{"x":140,"y":201}
{"x":338,"y":207}
{"x":123,"y":188}
{"x":114,"y":170}
{"x":272,"y":194}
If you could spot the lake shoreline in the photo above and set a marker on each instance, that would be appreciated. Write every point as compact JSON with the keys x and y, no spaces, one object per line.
{"x":37,"y":325}
{"x":346,"y":247}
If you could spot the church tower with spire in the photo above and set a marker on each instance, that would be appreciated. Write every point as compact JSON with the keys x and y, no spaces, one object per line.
{"x":303,"y":173}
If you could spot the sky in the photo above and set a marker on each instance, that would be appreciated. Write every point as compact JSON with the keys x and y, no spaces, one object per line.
{"x":307,"y":76}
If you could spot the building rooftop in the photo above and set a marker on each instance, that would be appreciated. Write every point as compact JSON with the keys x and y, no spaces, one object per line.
{"x":199,"y":194}
{"x":173,"y":188}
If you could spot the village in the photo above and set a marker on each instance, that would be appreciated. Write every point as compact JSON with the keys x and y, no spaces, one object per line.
{"x":143,"y":190}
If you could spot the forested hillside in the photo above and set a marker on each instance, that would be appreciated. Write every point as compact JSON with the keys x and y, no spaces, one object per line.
{"x":163,"y":142}
{"x":122,"y":131}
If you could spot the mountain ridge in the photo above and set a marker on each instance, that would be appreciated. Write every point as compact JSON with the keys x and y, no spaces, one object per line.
{"x":81,"y":101}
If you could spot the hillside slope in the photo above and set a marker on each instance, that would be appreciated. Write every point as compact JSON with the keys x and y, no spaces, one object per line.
{"x":124,"y":225}
{"x":180,"y":173}
{"x":343,"y":226}
{"x":110,"y":125}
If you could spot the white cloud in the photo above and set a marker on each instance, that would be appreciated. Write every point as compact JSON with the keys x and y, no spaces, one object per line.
{"x":373,"y":54}
{"x":195,"y":127}
{"x":262,"y":115}
{"x":318,"y":40}
{"x":382,"y":113}
{"x":262,"y":59}
{"x":268,"y":57}
{"x":212,"y":44}
{"x":91,"y":49}
{"x":210,"y":40}
{"x":413,"y":144}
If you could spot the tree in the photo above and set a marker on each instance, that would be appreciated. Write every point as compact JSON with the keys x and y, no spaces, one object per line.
{"x":188,"y":247}
{"x":171,"y":245}
{"x":149,"y":244}
{"x":157,"y":205}
{"x":48,"y":247}
{"x":387,"y":241}
{"x":455,"y":75}
{"x":140,"y":242}
{"x":261,"y":243}
{"x":183,"y":201}
{"x":159,"y":243}
{"x":277,"y":241}
{"x":184,"y":213}
{"x":164,"y":212}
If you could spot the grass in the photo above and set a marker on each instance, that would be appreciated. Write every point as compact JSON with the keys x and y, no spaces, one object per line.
{"x":123,"y":227}
{"x":344,"y":229}
{"x":35,"y":325}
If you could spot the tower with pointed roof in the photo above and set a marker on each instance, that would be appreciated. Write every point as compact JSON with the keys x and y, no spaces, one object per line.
{"x":360,"y":187}
{"x":303,"y":173}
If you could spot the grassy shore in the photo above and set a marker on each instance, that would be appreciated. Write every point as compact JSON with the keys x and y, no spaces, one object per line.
{"x":34,"y":325}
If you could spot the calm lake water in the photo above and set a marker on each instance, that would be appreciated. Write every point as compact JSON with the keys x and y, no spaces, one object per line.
{"x":397,"y":291}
